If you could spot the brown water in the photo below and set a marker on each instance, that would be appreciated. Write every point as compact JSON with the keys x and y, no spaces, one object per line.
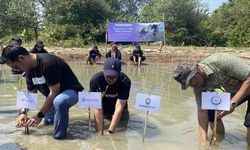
{"x":173,"y":128}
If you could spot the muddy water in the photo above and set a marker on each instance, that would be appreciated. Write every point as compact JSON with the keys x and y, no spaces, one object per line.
{"x":173,"y":128}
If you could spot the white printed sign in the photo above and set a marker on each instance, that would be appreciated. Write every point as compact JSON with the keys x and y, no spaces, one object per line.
{"x":216,"y":100}
{"x":26,"y":100}
{"x":90,"y":99}
{"x":148,"y":102}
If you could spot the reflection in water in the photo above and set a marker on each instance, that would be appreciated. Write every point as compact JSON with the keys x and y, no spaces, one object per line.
{"x":174,"y":127}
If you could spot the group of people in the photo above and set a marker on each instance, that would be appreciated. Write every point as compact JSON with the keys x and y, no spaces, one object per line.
{"x":94,"y":55}
{"x":223,"y":71}
{"x":53,"y":77}
{"x":38,"y":48}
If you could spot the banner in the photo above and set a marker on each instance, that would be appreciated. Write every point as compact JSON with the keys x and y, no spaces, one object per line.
{"x":135,"y":32}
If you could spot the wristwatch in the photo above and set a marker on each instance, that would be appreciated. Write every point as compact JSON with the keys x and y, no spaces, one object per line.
{"x":233,"y":104}
{"x":22,"y":112}
{"x":40,"y":115}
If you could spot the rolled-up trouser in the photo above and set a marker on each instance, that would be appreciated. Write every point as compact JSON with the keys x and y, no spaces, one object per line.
{"x":59,"y":113}
{"x":247,"y":116}
{"x":136,"y":58}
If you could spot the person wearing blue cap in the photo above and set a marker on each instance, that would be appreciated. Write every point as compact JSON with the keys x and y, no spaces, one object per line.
{"x":219,"y":71}
{"x":115,"y":86}
{"x":53,"y":77}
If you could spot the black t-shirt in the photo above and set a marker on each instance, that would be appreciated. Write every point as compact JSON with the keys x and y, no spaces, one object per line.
{"x":51,"y":70}
{"x":138,"y":53}
{"x":34,"y":50}
{"x":94,"y":52}
{"x":118,"y":54}
{"x":119,"y":90}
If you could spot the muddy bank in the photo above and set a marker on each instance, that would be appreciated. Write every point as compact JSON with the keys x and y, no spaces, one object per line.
{"x":153,"y":54}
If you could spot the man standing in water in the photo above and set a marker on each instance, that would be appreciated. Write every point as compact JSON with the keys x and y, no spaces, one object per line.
{"x":115,"y":86}
{"x":217,"y":71}
{"x":53,"y":78}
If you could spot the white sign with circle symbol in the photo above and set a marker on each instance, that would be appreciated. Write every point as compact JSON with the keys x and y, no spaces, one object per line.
{"x":215,"y":101}
{"x":148,"y":102}
{"x":26,"y":100}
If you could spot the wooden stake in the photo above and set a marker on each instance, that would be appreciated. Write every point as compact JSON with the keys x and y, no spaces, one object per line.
{"x":145,"y":127}
{"x":214,"y":134}
{"x":89,"y":121}
{"x":26,"y":131}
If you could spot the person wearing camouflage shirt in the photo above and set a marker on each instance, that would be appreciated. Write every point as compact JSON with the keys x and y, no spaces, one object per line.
{"x":223,"y":71}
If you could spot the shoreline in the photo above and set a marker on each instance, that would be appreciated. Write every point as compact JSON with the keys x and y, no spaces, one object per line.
{"x":153,"y":55}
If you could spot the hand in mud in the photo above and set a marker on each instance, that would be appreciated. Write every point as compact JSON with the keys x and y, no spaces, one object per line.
{"x":21,"y":121}
{"x":34,"y":121}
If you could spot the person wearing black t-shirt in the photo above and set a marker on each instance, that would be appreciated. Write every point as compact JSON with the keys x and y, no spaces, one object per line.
{"x":115,"y":86}
{"x":53,"y":78}
{"x":137,"y":57}
{"x":39,"y":47}
{"x":114,"y":52}
{"x":94,"y":56}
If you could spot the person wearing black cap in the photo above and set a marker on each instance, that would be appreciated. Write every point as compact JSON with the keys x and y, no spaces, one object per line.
{"x":53,"y":78}
{"x":137,"y":56}
{"x":16,"y":41}
{"x":94,"y":56}
{"x":219,"y":71}
{"x":115,"y":85}
{"x":39,"y":47}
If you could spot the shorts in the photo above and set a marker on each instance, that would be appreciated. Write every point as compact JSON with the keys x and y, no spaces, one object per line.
{"x":247,"y":116}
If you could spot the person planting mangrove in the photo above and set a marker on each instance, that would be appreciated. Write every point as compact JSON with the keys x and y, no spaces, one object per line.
{"x":94,"y":56}
{"x":115,"y":86}
{"x":114,"y":52}
{"x":53,"y":77}
{"x":137,"y":56}
{"x":218,"y":71}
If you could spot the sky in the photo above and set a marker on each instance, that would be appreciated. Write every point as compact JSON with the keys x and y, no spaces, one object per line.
{"x":213,"y":4}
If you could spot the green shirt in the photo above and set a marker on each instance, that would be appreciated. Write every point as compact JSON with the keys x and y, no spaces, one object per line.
{"x":222,"y":70}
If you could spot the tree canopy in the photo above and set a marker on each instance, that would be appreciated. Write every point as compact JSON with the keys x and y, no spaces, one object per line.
{"x":78,"y":22}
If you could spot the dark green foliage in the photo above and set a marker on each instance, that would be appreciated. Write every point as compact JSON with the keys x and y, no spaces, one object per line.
{"x":81,"y":22}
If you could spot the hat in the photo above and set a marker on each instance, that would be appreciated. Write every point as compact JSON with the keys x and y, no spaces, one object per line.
{"x":183,"y":73}
{"x":112,"y":67}
{"x":39,"y":42}
{"x":19,"y":40}
{"x":12,"y":52}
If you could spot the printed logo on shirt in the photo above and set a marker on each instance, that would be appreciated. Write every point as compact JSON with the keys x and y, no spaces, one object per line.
{"x":111,"y":95}
{"x":38,"y":80}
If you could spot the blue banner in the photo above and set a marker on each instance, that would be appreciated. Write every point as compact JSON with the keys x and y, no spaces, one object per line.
{"x":135,"y":32}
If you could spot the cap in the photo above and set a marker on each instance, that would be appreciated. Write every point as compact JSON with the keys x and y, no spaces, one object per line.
{"x":39,"y":42}
{"x":12,"y":52}
{"x":183,"y":73}
{"x":19,"y":40}
{"x":112,"y":67}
